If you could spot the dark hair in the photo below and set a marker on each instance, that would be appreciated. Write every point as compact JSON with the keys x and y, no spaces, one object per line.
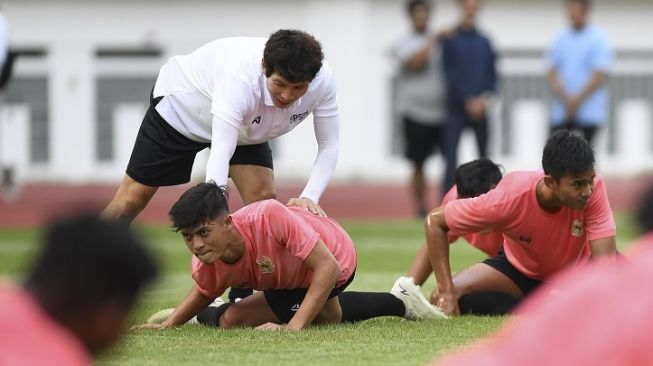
{"x":200,"y":204}
{"x":295,"y":55}
{"x":412,"y":4}
{"x":566,"y":152}
{"x":585,"y":3}
{"x":86,"y":261}
{"x":644,"y":213}
{"x":476,"y":177}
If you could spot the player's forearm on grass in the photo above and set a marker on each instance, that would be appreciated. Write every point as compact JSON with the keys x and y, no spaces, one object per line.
{"x":438,"y":249}
{"x":326,"y":272}
{"x":190,"y":306}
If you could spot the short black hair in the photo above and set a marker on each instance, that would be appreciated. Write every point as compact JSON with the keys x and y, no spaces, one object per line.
{"x":86,"y":261}
{"x":412,"y":4}
{"x":295,"y":55}
{"x":644,"y":213}
{"x":567,"y":152}
{"x":198,"y":205}
{"x":476,"y":177}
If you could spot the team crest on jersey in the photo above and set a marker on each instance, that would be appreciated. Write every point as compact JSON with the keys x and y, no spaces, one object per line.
{"x":577,"y":228}
{"x":265,"y":265}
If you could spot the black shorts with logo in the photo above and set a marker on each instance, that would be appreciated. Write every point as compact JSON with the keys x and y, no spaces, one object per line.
{"x":164,"y":157}
{"x":500,"y":263}
{"x":284,"y":303}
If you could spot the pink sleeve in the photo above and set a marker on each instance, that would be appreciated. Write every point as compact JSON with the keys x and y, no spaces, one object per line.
{"x":290,"y":230}
{"x":599,"y":222}
{"x":473,"y":215}
{"x":206,"y":279}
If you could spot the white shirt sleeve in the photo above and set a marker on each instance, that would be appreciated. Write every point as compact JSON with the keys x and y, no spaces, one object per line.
{"x":224,"y":138}
{"x":326,"y":134}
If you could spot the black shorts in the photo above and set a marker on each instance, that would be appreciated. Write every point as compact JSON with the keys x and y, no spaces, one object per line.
{"x":164,"y":157}
{"x":285,"y":303}
{"x":500,"y":263}
{"x":421,"y":140}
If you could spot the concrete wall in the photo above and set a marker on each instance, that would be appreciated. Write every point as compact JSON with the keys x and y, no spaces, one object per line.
{"x":355,"y":34}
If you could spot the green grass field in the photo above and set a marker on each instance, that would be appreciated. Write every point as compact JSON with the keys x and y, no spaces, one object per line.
{"x":385,"y":249}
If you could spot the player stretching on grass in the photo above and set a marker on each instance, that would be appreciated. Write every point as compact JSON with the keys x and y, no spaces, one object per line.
{"x":550,"y":219}
{"x":233,"y":95}
{"x":300,"y":262}
{"x":472,"y":179}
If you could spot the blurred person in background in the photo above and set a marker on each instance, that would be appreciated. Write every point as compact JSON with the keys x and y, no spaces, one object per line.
{"x":579,"y":60}
{"x":591,"y":315}
{"x":550,"y":219}
{"x":471,"y":78}
{"x":420,"y":95}
{"x":77,"y":296}
{"x":233,"y":95}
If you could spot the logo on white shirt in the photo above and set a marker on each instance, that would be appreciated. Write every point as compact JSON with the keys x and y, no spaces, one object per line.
{"x":257,"y":120}
{"x":296,"y":118}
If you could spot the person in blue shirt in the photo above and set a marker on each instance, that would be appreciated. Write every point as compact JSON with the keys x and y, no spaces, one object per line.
{"x":579,"y":58}
{"x":470,"y":73}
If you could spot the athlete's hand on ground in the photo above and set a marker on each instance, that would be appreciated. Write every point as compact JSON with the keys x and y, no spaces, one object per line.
{"x":308,"y":204}
{"x":271,"y":326}
{"x":447,"y":302}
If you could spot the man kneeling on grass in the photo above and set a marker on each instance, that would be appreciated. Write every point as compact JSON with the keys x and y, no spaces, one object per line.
{"x":299,"y":262}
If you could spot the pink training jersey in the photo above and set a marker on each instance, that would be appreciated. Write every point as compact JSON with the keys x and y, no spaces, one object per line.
{"x":536,"y":242}
{"x":599,"y":315}
{"x":29,"y":337}
{"x":488,"y":242}
{"x":277,"y":241}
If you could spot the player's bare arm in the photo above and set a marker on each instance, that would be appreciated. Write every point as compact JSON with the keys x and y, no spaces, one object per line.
{"x":446,"y":297}
{"x":604,"y":247}
{"x":190,"y":306}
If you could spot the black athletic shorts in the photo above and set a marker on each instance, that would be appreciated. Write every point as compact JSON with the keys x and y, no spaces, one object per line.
{"x":164,"y":157}
{"x":501,"y":264}
{"x":421,"y":140}
{"x":285,"y":303}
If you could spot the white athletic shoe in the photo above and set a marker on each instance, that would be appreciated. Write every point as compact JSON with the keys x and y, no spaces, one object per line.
{"x":161,"y":315}
{"x":417,"y":306}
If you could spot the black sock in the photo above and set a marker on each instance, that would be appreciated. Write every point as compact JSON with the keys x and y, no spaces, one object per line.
{"x":487,"y":303}
{"x":211,"y":314}
{"x":359,"y":306}
{"x":239,"y":292}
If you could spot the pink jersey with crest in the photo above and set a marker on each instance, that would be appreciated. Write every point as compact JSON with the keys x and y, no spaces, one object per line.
{"x":536,"y":242}
{"x":277,"y":241}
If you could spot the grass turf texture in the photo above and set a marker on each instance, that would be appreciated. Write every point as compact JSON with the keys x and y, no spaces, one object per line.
{"x":385,"y":249}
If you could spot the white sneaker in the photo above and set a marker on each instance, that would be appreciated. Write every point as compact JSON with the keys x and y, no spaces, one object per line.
{"x":417,"y":306}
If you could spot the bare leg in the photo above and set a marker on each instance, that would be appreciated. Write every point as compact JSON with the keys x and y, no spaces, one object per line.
{"x":130,"y":199}
{"x":418,"y":185}
{"x":420,"y":269}
{"x":254,"y":183}
{"x":331,"y":313}
{"x":251,"y":311}
{"x":481,"y":277}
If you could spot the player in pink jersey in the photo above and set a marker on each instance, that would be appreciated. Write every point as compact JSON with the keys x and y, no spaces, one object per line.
{"x":472,"y":179}
{"x":550,"y":220}
{"x":600,"y":315}
{"x":300,"y":263}
{"x":77,"y":297}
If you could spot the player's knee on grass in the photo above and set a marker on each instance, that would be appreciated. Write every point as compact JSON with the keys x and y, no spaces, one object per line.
{"x":487,"y":303}
{"x":233,"y":317}
{"x":210,"y":315}
{"x":330,"y":314}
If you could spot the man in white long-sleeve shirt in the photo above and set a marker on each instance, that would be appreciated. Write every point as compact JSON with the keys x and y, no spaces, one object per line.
{"x":233,"y":95}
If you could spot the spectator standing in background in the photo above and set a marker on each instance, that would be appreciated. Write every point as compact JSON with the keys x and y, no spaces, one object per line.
{"x":420,"y":95}
{"x":579,"y":60}
{"x":469,"y":67}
